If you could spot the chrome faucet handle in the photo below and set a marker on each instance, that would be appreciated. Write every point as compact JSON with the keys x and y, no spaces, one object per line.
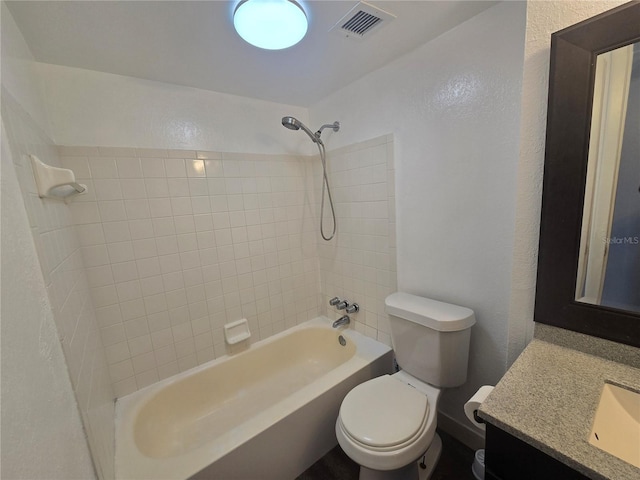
{"x":353,"y":308}
{"x":342,"y":305}
{"x":334,"y":301}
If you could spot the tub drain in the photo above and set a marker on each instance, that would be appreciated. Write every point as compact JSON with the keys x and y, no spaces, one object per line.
{"x":342,"y":341}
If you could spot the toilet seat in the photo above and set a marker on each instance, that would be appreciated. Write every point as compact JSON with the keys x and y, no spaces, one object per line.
{"x":400,"y":414}
{"x":386,"y":423}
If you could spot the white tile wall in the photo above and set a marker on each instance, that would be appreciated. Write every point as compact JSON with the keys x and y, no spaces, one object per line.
{"x":178,"y":243}
{"x":59,"y":252}
{"x":359,"y":264}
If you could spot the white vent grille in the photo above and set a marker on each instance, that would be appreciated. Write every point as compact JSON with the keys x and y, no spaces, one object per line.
{"x":361,"y":20}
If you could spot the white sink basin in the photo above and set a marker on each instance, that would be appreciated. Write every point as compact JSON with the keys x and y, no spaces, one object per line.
{"x":616,"y":425}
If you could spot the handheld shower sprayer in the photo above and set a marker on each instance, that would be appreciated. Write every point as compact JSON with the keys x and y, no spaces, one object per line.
{"x":293,"y":123}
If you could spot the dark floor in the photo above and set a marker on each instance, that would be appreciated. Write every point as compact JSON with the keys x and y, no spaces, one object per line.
{"x":454,"y":464}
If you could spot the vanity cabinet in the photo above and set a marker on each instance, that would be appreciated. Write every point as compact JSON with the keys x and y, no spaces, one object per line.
{"x":509,"y":458}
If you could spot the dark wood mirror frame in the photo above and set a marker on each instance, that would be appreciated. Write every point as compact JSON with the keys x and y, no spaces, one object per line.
{"x":571,"y":81}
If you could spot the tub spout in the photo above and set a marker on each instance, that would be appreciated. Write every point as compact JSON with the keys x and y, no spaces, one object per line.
{"x":341,"y":321}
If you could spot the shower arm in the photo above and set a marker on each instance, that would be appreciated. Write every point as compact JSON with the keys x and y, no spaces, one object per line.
{"x":335,"y":126}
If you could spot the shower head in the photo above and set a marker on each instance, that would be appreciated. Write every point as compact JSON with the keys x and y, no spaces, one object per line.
{"x":293,"y":123}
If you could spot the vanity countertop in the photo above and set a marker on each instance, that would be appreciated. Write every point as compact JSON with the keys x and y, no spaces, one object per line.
{"x":548,"y":399}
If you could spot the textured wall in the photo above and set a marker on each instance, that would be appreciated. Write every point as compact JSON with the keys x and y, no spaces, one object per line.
{"x":18,"y":74}
{"x":68,"y":300}
{"x":99,"y":109}
{"x":42,"y":436}
{"x":60,"y":260}
{"x":453,"y":106}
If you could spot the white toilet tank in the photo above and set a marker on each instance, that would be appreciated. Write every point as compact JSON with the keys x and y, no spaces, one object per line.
{"x":430,"y":338}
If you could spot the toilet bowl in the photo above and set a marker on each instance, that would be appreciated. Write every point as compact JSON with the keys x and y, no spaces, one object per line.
{"x":388,"y":424}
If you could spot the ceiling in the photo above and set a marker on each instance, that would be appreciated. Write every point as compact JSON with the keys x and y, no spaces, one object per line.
{"x":194,"y":44}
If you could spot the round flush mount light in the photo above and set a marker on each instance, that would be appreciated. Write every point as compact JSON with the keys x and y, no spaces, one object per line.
{"x":270,"y":24}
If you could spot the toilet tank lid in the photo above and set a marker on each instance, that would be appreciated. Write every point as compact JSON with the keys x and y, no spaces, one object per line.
{"x":440,"y":316}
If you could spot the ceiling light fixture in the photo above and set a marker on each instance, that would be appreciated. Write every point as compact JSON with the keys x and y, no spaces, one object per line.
{"x":270,"y":24}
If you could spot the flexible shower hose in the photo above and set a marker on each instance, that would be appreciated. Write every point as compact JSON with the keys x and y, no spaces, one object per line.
{"x":325,"y":186}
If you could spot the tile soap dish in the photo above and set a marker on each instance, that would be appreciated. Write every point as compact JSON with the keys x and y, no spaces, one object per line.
{"x":54,"y":182}
{"x":236,"y":332}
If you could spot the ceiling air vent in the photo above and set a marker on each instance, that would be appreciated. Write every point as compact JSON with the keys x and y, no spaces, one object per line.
{"x":361,"y":21}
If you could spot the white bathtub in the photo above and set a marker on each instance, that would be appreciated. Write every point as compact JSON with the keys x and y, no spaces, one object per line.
{"x":266,"y":413}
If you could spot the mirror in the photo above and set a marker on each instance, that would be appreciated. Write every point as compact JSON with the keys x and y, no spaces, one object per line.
{"x":583,"y":218}
{"x":609,"y":258}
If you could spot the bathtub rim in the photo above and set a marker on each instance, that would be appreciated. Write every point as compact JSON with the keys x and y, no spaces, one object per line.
{"x":132,"y":463}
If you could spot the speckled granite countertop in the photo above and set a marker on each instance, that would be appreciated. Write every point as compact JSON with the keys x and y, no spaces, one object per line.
{"x":548,"y":399}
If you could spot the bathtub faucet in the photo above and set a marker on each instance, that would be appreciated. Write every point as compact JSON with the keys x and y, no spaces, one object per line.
{"x":341,"y":321}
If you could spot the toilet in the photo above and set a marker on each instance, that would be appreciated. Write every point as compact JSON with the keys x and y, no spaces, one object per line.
{"x":387,"y":425}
